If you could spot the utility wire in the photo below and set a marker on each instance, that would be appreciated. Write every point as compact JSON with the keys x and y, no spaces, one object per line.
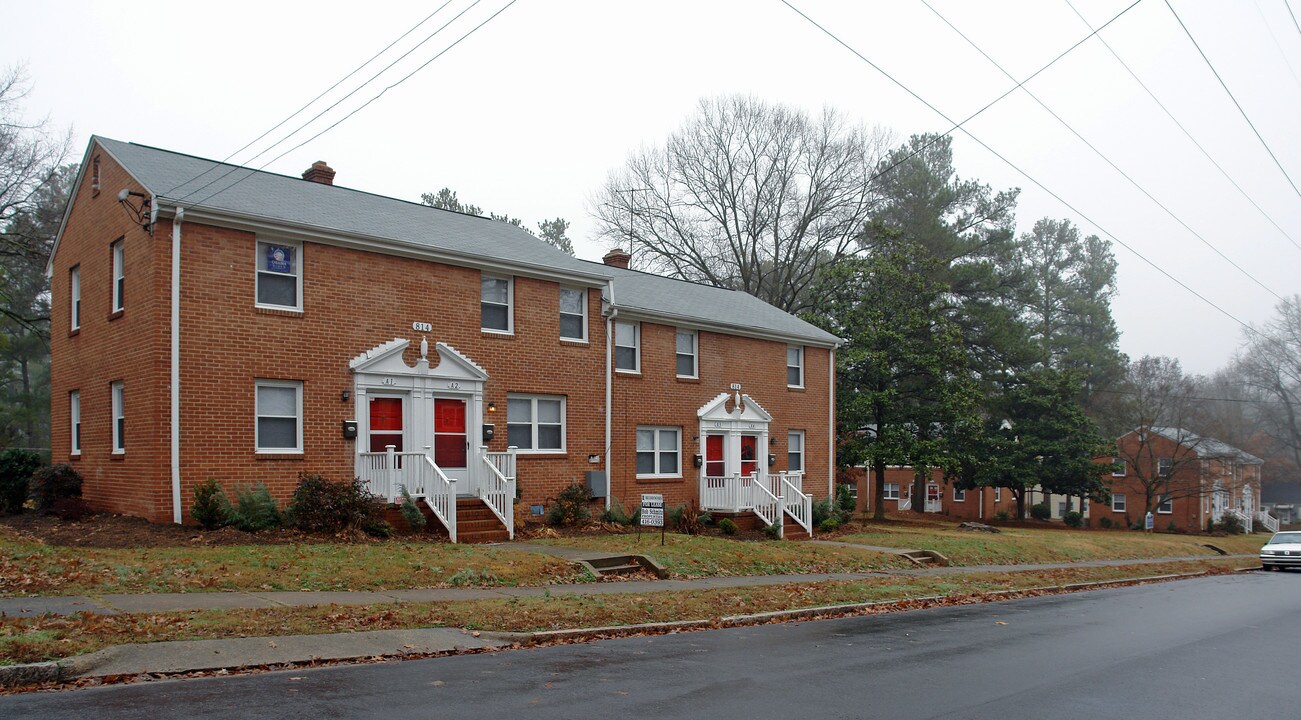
{"x":1023,"y":173}
{"x":313,"y":101}
{"x":363,"y":106}
{"x":1247,"y":401}
{"x":1295,"y":24}
{"x":1183,"y":129}
{"x":1215,"y":72}
{"x":1277,"y":46}
{"x":1099,"y":153}
{"x":335,"y":104}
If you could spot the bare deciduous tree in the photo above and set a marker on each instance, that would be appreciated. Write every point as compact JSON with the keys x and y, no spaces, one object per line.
{"x":1271,"y":364}
{"x":746,"y":195}
{"x":30,"y":155}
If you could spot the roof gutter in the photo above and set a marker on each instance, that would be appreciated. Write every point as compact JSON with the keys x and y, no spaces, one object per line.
{"x":176,"y":365}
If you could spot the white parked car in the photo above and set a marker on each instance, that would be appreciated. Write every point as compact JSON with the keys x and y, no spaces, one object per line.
{"x":1283,"y":550}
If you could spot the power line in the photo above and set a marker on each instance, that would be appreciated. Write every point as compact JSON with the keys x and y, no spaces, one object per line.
{"x":1277,"y":46}
{"x":311,"y":102}
{"x":1215,"y":72}
{"x":1100,"y":154}
{"x":1023,"y":173}
{"x":363,"y":106}
{"x":1183,"y":129}
{"x":1247,"y":401}
{"x":1295,"y":24}
{"x":335,"y":104}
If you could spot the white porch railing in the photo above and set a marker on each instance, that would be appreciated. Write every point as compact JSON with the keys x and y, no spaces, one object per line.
{"x":795,"y":478}
{"x":497,"y":490}
{"x":1267,"y":521}
{"x":797,"y":504}
{"x":726,"y":493}
{"x":767,"y":505}
{"x":440,"y":495}
{"x":386,"y":473}
{"x":1242,"y":517}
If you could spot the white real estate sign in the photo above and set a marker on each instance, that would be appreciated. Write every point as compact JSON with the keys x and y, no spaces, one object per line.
{"x":652,"y":510}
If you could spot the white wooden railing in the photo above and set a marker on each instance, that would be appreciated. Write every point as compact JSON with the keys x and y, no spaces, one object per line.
{"x":768,"y":506}
{"x":1242,"y":517}
{"x":726,"y":493}
{"x":1267,"y":521}
{"x":797,"y":504}
{"x":440,"y":495}
{"x":386,"y":473}
{"x":795,"y":478}
{"x":497,"y":489}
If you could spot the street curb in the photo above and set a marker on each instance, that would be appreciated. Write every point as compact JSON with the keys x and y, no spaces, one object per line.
{"x":34,"y":674}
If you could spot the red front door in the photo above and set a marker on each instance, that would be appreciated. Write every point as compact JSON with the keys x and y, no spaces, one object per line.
{"x":449,"y":433}
{"x":714,"y":463}
{"x":385,"y":423}
{"x":749,"y":450}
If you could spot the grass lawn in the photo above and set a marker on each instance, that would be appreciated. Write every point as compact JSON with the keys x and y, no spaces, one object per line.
{"x":50,"y":638}
{"x":1015,"y":545}
{"x":688,"y":556}
{"x":32,"y":568}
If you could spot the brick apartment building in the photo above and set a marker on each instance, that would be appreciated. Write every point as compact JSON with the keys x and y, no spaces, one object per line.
{"x":941,"y":497}
{"x":212,"y":321}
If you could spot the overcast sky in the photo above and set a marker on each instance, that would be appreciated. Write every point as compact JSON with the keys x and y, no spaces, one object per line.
{"x":529,"y":114}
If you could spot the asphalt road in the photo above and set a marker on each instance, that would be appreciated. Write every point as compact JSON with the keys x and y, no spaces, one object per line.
{"x":1222,"y":647}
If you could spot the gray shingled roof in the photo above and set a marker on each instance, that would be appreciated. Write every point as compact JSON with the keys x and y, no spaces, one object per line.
{"x":247,"y":192}
{"x":1206,"y":447}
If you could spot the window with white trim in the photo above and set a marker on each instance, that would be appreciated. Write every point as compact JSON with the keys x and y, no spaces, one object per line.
{"x":74,"y":288}
{"x":573,"y":314}
{"x":535,"y":423}
{"x":1118,"y":502}
{"x":496,"y":296}
{"x":659,"y":451}
{"x":998,"y":494}
{"x":1167,"y":506}
{"x":279,"y":422}
{"x":795,"y":451}
{"x":959,"y":495}
{"x":74,"y":415}
{"x":119,"y":275}
{"x":1118,"y":467}
{"x":627,"y":346}
{"x":1164,"y":466}
{"x":279,"y":275}
{"x":891,"y":491}
{"x":119,"y":417}
{"x":795,"y":366}
{"x":686,"y":353}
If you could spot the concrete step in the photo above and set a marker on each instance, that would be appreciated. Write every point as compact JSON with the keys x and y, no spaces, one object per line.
{"x":614,"y":565}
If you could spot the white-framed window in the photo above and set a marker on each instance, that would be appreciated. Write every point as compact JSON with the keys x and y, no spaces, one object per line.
{"x":497,"y":296}
{"x":74,"y":415}
{"x":891,"y":491}
{"x":687,"y":353}
{"x":1167,"y":507}
{"x":959,"y":495}
{"x":1164,"y":466}
{"x":795,"y":451}
{"x":280,"y":275}
{"x":795,"y":366}
{"x":536,"y":423}
{"x":998,"y":494}
{"x":1118,"y":467}
{"x":627,"y":346}
{"x":119,"y":275}
{"x":119,"y":417}
{"x":573,"y":314}
{"x":659,"y":451}
{"x":74,"y":290}
{"x":1118,"y":502}
{"x":279,"y":416}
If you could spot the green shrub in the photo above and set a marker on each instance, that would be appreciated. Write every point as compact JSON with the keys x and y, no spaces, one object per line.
{"x":687,"y":519}
{"x":319,"y":505}
{"x":828,"y":524}
{"x":1002,"y":516}
{"x":1231,"y":525}
{"x":411,"y":512}
{"x":727,"y":526}
{"x":570,"y":506}
{"x":846,"y":503}
{"x":1105,"y":523}
{"x":1073,"y":519}
{"x":822,"y":510}
{"x":211,"y":509}
{"x":615,"y":514}
{"x":55,"y":485}
{"x":255,"y":509}
{"x":16,"y":468}
{"x":773,"y":531}
{"x":1040,"y":511}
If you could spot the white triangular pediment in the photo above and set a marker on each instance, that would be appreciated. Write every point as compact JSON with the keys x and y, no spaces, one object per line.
{"x":716,"y":410}
{"x":386,"y":359}
{"x":452,"y":364}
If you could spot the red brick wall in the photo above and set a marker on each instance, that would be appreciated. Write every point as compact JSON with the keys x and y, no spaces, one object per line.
{"x":971,"y":508}
{"x":1187,"y":511}
{"x":352,"y":302}
{"x":130,"y":347}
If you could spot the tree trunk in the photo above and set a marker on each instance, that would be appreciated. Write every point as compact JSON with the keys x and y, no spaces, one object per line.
{"x":1020,"y":503}
{"x":919,"y":489}
{"x":878,"y":496}
{"x":29,"y":423}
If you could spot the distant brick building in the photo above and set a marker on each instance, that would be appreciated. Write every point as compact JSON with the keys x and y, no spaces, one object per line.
{"x":941,"y":496}
{"x":250,"y":326}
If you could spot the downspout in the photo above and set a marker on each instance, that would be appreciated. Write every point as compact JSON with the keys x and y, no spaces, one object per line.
{"x":831,"y":424}
{"x":176,"y":364}
{"x":609,"y":395}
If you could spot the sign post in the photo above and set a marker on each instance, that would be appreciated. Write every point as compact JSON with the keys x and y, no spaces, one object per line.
{"x":652,"y":513}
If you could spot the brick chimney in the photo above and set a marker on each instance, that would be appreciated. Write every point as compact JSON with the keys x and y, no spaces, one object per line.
{"x":617,"y":258}
{"x":319,"y":172}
